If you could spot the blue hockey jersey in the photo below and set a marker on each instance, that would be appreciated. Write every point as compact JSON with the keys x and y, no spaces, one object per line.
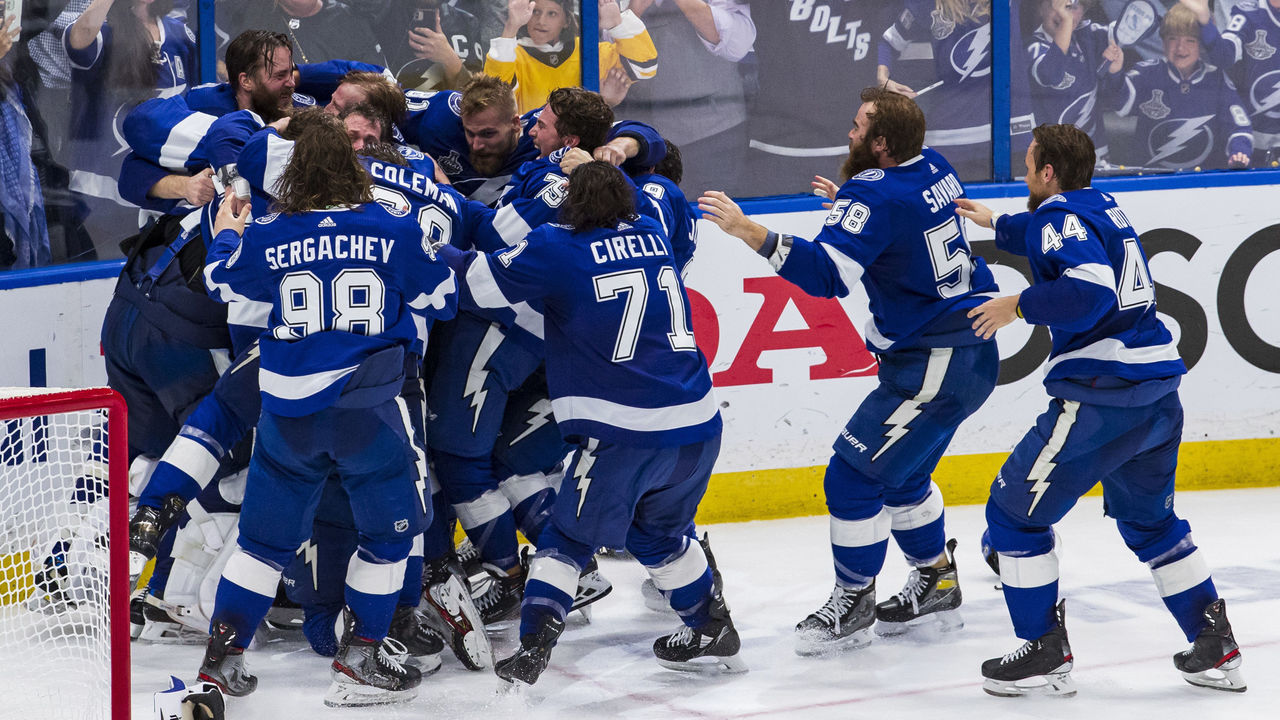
{"x":1248,"y":48}
{"x":1182,"y":124}
{"x":664,"y":201}
{"x":622,"y":364}
{"x":1093,"y":289}
{"x":896,"y":231}
{"x":1064,"y":86}
{"x":344,"y":285}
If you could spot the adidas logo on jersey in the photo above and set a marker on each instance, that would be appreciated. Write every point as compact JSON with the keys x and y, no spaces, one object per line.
{"x":328,"y":222}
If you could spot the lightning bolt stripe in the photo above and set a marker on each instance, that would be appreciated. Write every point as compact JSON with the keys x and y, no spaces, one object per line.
{"x":478,"y":372}
{"x":419,"y":455}
{"x":1044,"y":464}
{"x":582,"y":471}
{"x":311,"y":556}
{"x":539,"y":415}
{"x":934,"y":373}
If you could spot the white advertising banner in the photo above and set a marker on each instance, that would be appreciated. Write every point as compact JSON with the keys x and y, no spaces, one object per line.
{"x":790,"y":369}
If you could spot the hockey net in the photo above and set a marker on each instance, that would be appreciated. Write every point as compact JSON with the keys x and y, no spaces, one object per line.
{"x":64,"y":579}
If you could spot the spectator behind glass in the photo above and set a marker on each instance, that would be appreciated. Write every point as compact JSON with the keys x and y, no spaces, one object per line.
{"x":24,"y":241}
{"x":1067,"y":55}
{"x":699,"y":103}
{"x":1189,"y":114}
{"x":445,"y":43}
{"x":122,"y":52}
{"x":958,"y":107}
{"x":319,"y":29}
{"x":538,"y":49}
{"x":1247,"y":50}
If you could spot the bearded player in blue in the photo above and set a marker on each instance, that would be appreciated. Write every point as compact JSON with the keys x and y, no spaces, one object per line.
{"x":893,"y":227}
{"x":1114,"y":417}
{"x":353,"y":288}
{"x":631,"y":391}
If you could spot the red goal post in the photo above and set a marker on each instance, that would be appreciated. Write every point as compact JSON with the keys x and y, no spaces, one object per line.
{"x":64,"y":565}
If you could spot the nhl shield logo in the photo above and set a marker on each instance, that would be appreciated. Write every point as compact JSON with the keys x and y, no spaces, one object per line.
{"x":1259,"y":49}
{"x":401,"y":525}
{"x":1155,"y":107}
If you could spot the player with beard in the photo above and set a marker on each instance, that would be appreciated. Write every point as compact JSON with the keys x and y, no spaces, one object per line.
{"x":1114,"y":417}
{"x":893,"y":226}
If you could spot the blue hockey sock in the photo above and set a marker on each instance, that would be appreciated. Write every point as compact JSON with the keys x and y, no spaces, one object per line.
{"x":1030,"y":592}
{"x":685,"y":578}
{"x":411,"y":591}
{"x":373,"y":586}
{"x":245,"y":593}
{"x":918,"y":527}
{"x":1185,"y":587}
{"x":437,"y":540}
{"x":550,"y":589}
{"x":534,"y":512}
{"x":858,"y":548}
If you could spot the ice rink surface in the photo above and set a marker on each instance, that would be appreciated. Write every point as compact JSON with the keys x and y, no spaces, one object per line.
{"x":776,"y":572}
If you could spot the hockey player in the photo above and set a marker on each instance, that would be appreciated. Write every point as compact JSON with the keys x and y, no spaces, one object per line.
{"x":893,"y":227}
{"x":1189,"y":113}
{"x":1114,"y":416}
{"x":352,"y":288}
{"x":636,"y":402}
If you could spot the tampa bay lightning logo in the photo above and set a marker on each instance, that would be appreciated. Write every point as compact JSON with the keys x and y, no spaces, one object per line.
{"x":869,"y":175}
{"x":1080,"y":111}
{"x":235,"y":254}
{"x":303,"y":100}
{"x":410,"y":153}
{"x":971,"y":55}
{"x":1181,"y":142}
{"x":455,"y":103}
{"x":1264,"y":95}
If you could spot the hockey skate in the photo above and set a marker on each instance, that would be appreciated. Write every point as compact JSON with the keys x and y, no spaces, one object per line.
{"x":369,"y":672}
{"x":1039,"y":667}
{"x":1214,"y":658}
{"x":929,"y":592}
{"x":224,"y":664}
{"x":448,"y":603}
{"x":164,"y":627}
{"x":535,"y":652}
{"x":500,"y":599}
{"x":146,"y":527}
{"x":713,"y":647}
{"x":843,"y":623}
{"x":409,"y":628}
{"x":592,"y":586}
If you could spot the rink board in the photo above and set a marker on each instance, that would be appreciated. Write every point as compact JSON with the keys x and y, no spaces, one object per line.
{"x":789,"y":369}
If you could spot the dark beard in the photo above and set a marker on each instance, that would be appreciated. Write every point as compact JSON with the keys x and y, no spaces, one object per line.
{"x":859,"y":159}
{"x":267,"y":105}
{"x":487,"y":165}
{"x":1035,"y":199}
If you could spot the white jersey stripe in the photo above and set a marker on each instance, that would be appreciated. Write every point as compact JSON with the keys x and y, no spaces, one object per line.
{"x":626,"y":417}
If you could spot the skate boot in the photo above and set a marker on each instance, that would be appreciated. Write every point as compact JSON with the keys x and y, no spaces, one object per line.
{"x":501,"y":598}
{"x":164,"y":626}
{"x":447,"y":602}
{"x":592,"y":586}
{"x":468,"y":557}
{"x":224,"y":664}
{"x":409,"y":628}
{"x":534,"y":653}
{"x":1039,"y":667}
{"x":146,"y":527}
{"x":137,"y":620}
{"x":843,"y":623}
{"x":929,"y":591}
{"x":713,"y":647}
{"x":368,"y":672}
{"x":1214,"y":658}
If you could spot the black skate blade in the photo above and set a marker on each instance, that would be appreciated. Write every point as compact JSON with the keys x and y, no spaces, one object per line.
{"x":942,"y":621}
{"x":1051,"y":685}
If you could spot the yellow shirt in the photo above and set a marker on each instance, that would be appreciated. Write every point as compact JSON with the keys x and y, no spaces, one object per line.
{"x":518,"y":63}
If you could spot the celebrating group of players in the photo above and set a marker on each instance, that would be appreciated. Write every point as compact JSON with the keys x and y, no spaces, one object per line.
{"x":515,"y":350}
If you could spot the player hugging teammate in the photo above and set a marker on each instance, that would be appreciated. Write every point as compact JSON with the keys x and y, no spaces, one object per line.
{"x":517,"y":353}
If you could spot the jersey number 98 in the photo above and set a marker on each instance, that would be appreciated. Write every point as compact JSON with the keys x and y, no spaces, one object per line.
{"x":357,"y":298}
